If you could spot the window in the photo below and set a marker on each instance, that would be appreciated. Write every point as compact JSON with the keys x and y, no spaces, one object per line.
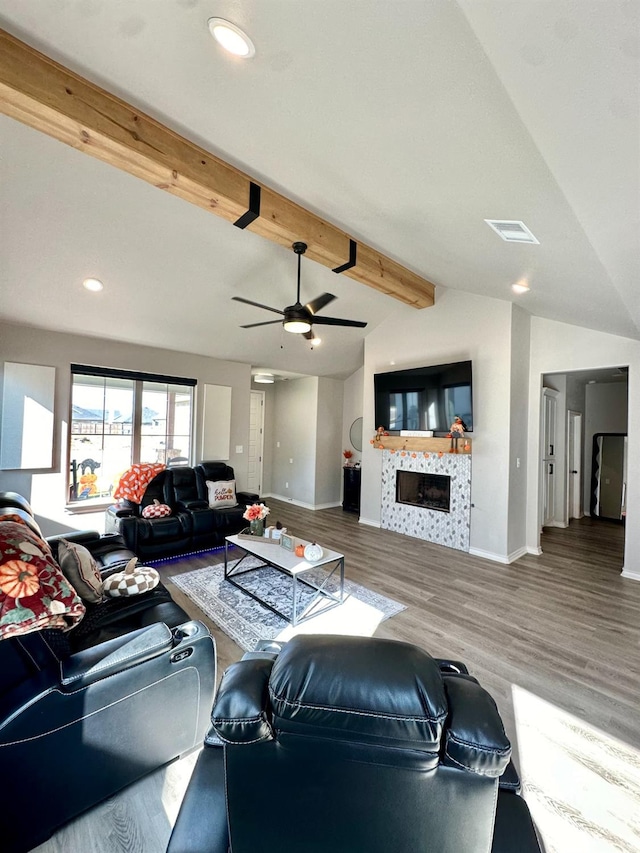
{"x":119,"y":417}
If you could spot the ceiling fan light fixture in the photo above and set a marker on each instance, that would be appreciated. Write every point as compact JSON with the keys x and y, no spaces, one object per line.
{"x":231,"y":38}
{"x":264,"y":378}
{"x":297,"y":327}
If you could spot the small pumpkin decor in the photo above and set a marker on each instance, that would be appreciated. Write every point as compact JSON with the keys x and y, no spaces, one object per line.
{"x":156,"y":510}
{"x":133,"y":580}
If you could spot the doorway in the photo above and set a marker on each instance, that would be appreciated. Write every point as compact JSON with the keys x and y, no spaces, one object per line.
{"x":574,"y":463}
{"x":256,"y":442}
{"x":586,"y":403}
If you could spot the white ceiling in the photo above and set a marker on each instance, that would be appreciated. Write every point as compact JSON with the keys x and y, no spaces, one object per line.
{"x":407,"y":124}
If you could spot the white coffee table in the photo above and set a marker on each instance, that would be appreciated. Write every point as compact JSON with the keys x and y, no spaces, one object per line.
{"x":297,"y":568}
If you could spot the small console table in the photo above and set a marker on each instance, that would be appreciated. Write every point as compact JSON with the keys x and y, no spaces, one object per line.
{"x":351,"y":490}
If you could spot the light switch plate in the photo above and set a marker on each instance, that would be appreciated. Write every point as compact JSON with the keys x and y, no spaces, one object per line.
{"x":239,"y":448}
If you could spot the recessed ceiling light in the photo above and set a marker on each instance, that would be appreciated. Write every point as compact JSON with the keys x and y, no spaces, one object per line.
{"x":315,"y":342}
{"x":93,"y":284}
{"x":264,"y":378}
{"x":520,"y":287}
{"x":231,"y":38}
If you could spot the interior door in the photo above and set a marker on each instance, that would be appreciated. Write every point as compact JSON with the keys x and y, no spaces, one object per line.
{"x":256,"y":442}
{"x":574,"y":464}
{"x":548,"y":450}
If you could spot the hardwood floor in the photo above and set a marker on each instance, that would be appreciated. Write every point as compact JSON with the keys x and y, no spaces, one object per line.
{"x":554,"y":638}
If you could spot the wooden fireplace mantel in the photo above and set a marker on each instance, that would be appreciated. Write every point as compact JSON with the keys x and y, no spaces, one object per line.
{"x":421,"y":445}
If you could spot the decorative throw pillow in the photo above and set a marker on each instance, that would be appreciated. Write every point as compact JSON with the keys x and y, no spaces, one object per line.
{"x":81,"y":570}
{"x":221,"y":493}
{"x":135,"y":480}
{"x":133,"y":580}
{"x":156,"y":510}
{"x":34,"y":594}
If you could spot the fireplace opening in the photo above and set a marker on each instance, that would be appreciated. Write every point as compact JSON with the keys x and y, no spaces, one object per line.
{"x":431,"y":491}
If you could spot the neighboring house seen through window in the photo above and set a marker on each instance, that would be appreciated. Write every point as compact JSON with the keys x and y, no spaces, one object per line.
{"x":119,"y":417}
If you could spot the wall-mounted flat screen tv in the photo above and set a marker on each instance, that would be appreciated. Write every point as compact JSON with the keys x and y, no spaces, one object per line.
{"x":424,"y":398}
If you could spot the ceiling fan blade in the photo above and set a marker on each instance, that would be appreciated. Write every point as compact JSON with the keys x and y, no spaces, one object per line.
{"x":336,"y":321}
{"x":257,"y":304}
{"x":266,"y":323}
{"x":319,"y":302}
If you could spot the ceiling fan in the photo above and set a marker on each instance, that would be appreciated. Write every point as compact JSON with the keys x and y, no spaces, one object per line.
{"x":299,"y":318}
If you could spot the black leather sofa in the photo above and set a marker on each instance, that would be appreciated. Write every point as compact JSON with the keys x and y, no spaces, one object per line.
{"x":192,"y":526}
{"x":86,"y":712}
{"x":353,"y":745}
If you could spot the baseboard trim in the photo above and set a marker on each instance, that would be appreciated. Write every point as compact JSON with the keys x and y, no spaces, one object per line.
{"x":515,"y":555}
{"x":505,"y":559}
{"x":633,"y":576}
{"x":489,"y":555}
{"x":302,"y":503}
{"x":536,"y":550}
{"x":369,"y":522}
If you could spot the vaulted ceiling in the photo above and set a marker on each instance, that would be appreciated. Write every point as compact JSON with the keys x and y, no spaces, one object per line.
{"x":405,"y":125}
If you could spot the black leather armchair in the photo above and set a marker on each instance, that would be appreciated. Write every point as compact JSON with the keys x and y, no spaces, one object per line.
{"x":353,"y":745}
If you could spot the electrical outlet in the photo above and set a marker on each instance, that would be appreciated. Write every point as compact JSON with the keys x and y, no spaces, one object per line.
{"x":277,"y":444}
{"x":286,"y":485}
{"x":291,"y":462}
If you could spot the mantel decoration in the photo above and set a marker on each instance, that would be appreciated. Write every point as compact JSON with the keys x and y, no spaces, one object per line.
{"x":347,"y":456}
{"x":456,"y":432}
{"x":255,"y":515}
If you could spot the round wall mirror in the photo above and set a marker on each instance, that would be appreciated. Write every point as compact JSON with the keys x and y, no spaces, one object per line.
{"x":355,"y":434}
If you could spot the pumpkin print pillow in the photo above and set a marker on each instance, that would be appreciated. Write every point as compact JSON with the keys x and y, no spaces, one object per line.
{"x":34,"y":593}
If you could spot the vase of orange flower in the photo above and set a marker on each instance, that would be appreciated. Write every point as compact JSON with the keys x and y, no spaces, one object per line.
{"x":255,"y":515}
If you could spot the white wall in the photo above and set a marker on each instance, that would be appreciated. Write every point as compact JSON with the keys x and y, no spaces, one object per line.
{"x":328,"y":443}
{"x":47,"y":491}
{"x":352,"y":409}
{"x":460,"y":326}
{"x":295,"y":430}
{"x":605,"y":411}
{"x":268,"y":443}
{"x":520,"y":351}
{"x":307,"y":424}
{"x":559,"y":347}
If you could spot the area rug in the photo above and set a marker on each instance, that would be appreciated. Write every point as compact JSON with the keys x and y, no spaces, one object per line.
{"x":246,"y":621}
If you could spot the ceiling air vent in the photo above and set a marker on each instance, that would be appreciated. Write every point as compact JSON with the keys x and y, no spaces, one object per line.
{"x":512,"y":231}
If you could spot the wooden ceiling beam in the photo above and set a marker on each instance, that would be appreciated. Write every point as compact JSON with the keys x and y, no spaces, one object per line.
{"x":43,"y":94}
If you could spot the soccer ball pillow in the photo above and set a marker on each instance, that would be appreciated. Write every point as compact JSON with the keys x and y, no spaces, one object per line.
{"x":134,"y":580}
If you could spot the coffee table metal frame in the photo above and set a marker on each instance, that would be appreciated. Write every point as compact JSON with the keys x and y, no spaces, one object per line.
{"x":286,"y":562}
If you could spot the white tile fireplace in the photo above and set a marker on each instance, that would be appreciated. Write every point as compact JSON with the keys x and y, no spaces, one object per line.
{"x":433,"y":524}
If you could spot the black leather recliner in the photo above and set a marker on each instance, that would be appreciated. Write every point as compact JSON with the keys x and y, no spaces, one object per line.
{"x":192,"y":526}
{"x":74,"y":730}
{"x":86,"y":712}
{"x":353,"y":745}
